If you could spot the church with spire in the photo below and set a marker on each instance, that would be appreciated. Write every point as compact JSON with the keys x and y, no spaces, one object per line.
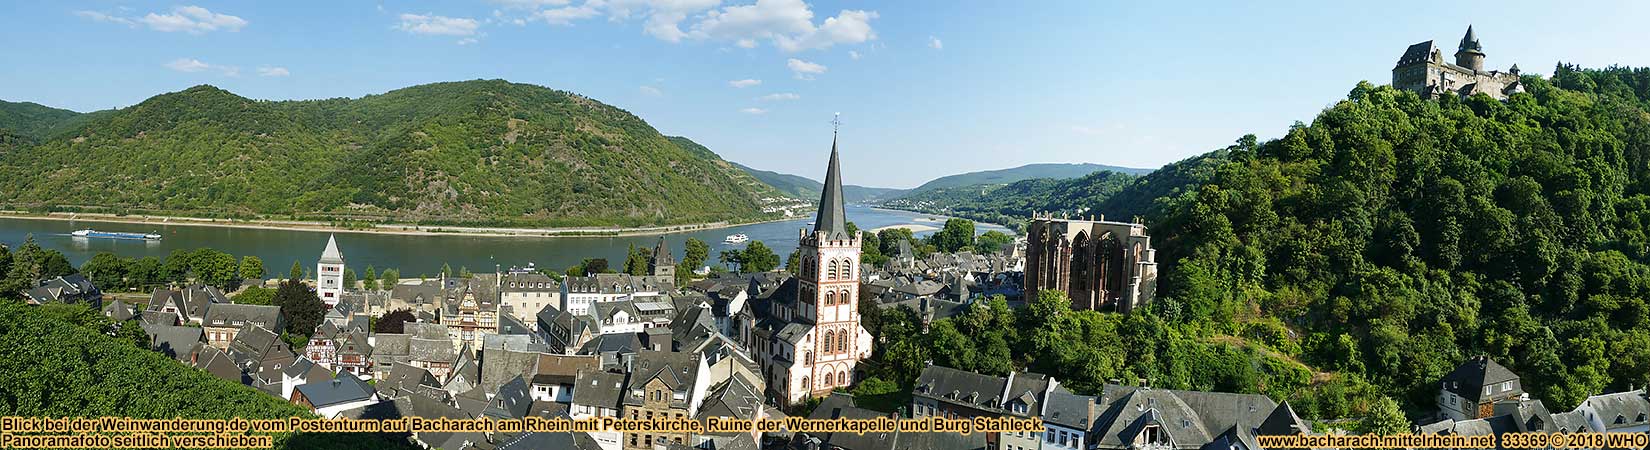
{"x":329,"y":274}
{"x":1424,"y":70}
{"x":810,"y":340}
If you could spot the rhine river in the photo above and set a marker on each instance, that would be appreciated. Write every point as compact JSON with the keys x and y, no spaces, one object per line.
{"x":414,"y":255}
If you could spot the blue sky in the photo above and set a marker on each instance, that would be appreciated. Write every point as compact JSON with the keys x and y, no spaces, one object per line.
{"x":925,"y":89}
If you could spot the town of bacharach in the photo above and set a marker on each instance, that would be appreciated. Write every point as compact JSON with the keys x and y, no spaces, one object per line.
{"x":825,"y":224}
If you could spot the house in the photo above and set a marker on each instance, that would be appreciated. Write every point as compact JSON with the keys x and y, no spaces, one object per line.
{"x":553,"y":376}
{"x":470,"y":310}
{"x":597,"y":393}
{"x":1621,"y":412}
{"x":579,"y":293}
{"x":953,"y":393}
{"x":189,"y":303}
{"x":388,"y":349}
{"x":510,"y":401}
{"x":1471,"y":390}
{"x":323,"y":344}
{"x":173,"y":341}
{"x":68,"y":289}
{"x":216,"y":362}
{"x":119,"y":311}
{"x":328,"y":398}
{"x":525,"y":294}
{"x":354,"y":354}
{"x":1137,"y":417}
{"x":734,"y":398}
{"x":223,"y":320}
{"x":563,"y":331}
{"x":664,"y":385}
{"x":301,"y":372}
{"x":430,"y":348}
{"x":257,"y":350}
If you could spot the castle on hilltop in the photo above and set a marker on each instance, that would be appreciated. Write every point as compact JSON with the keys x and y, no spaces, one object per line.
{"x":1423,"y":70}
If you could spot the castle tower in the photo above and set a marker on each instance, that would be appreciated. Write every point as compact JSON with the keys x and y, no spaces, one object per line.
{"x":1470,"y":55}
{"x":662,"y":264}
{"x":828,"y":292}
{"x":329,"y":274}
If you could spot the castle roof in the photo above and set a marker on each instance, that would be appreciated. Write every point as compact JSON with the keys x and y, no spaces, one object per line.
{"x":331,"y":255}
{"x":1417,"y":53}
{"x":831,"y":218}
{"x":1469,"y":42}
{"x":661,"y":254}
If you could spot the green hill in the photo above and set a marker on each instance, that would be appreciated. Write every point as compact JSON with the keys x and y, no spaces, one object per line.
{"x":1025,"y":172}
{"x":796,"y":186}
{"x":1395,"y":237}
{"x":484,"y":152}
{"x":31,"y":119}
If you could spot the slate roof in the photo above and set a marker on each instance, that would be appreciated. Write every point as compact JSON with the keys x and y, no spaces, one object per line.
{"x":119,"y":311}
{"x":308,"y":371}
{"x":1190,"y":418}
{"x":502,"y":365}
{"x":343,"y":388}
{"x":1468,"y":380}
{"x":217,"y":363}
{"x":331,"y":255}
{"x":676,"y":369}
{"x":1417,"y":53}
{"x":173,"y":341}
{"x":831,"y":219}
{"x":1628,"y":406}
{"x":65,"y":289}
{"x":599,"y":388}
{"x":236,"y":315}
{"x":960,"y":387}
{"x":841,"y":405}
{"x":1071,"y":410}
{"x":429,"y":342}
{"x":510,"y":401}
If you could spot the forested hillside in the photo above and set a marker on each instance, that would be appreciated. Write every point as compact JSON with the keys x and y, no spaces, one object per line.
{"x":476,"y":152}
{"x":31,"y":119}
{"x":1055,"y":171}
{"x":1365,"y":255}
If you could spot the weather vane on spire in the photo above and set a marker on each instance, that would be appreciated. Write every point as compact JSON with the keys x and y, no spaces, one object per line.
{"x":836,"y":122}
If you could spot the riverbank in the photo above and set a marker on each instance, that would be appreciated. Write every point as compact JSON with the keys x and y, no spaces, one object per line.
{"x":391,"y":229}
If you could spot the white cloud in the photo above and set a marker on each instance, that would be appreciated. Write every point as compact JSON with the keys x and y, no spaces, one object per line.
{"x":468,"y":41}
{"x":788,"y":24}
{"x":193,"y":20}
{"x":566,"y":15}
{"x":188,"y":65}
{"x":188,"y":19}
{"x":754,"y":111}
{"x":854,"y":54}
{"x":934,"y":43}
{"x":430,"y":24}
{"x":191,"y":65}
{"x":103,"y":17}
{"x":651,"y":91}
{"x":745,"y":83}
{"x":804,"y":70}
{"x":273,"y":71}
{"x":780,"y":97}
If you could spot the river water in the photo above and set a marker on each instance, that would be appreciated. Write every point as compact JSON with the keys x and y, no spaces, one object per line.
{"x":419,"y":254}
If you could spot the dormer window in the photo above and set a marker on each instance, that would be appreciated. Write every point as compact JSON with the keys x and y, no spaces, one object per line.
{"x":1506,"y":386}
{"x":1641,"y":418}
{"x":1621,"y":420}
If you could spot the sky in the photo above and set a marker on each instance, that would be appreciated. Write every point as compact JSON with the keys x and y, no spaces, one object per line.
{"x":924,"y":89}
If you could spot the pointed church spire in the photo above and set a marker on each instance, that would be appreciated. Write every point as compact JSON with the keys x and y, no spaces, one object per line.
{"x":831,"y":218}
{"x":331,"y":255}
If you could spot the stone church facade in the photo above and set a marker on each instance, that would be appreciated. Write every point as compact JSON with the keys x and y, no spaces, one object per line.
{"x":1423,"y":70}
{"x":1102,"y":266}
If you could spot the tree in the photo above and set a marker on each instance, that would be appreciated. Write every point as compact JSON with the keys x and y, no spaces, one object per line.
{"x":576,"y":270}
{"x":106,"y":271}
{"x":957,"y":235}
{"x":993,"y":242}
{"x":731,"y":256}
{"x":757,"y":257}
{"x":594,"y":266}
{"x":252,"y":268}
{"x":301,"y":309}
{"x":296,"y":273}
{"x":446,"y":270}
{"x":145,"y":272}
{"x":1384,"y":419}
{"x":394,"y":322}
{"x":349,"y":278}
{"x":464,"y":272}
{"x":254,"y":295}
{"x":215,"y":268}
{"x":793,"y":263}
{"x":371,"y":280}
{"x":695,"y":254}
{"x":635,"y":262}
{"x":391,"y":277}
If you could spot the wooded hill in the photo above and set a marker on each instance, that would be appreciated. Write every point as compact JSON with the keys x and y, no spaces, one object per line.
{"x":483,"y":152}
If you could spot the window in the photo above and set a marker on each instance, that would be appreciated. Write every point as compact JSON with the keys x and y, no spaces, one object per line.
{"x":830,"y":298}
{"x":828,"y":341}
{"x":842,"y":378}
{"x":1506,"y":386}
{"x":1487,"y":390}
{"x":830,"y":272}
{"x":1050,"y":436}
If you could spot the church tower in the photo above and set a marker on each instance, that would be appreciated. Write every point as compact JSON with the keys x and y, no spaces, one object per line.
{"x":329,"y":274}
{"x":828,"y":290}
{"x":1470,"y":55}
{"x":662,"y":264}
